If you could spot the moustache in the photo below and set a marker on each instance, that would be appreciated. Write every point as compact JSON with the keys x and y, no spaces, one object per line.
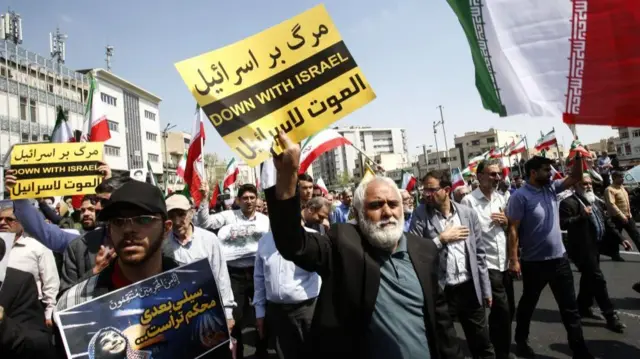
{"x":386,"y":222}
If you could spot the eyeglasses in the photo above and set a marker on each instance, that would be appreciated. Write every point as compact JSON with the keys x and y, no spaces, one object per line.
{"x":379,"y":204}
{"x":139,"y":221}
{"x":431,"y":190}
{"x":8,"y":220}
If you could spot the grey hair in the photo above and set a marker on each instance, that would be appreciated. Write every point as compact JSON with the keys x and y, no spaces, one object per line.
{"x":486,"y":163}
{"x":358,"y":195}
{"x":460,"y":188}
{"x":316,"y":203}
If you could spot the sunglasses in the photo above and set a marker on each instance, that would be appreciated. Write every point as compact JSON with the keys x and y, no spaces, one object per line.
{"x":379,"y":204}
{"x":138,"y":221}
{"x":8,"y":220}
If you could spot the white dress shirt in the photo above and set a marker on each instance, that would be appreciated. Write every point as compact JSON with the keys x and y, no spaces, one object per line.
{"x":278,"y":280}
{"x":28,"y":255}
{"x":258,"y":225}
{"x":493,"y":239}
{"x":204,"y":244}
{"x":453,"y":257}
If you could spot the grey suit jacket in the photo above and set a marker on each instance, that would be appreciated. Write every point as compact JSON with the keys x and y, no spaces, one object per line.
{"x":425,"y":223}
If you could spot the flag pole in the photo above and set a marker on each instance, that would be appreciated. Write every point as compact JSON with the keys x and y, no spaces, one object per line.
{"x":367,"y":157}
{"x":558,"y":152}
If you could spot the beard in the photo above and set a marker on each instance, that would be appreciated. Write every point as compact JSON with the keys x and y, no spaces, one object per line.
{"x":590,"y":196}
{"x":142,"y":252}
{"x":383,"y":234}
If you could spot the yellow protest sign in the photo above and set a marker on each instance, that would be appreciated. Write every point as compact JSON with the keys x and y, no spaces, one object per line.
{"x":56,"y":169}
{"x":297,"y":76}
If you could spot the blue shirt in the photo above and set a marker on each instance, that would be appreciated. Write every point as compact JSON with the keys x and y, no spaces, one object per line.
{"x":407,"y":221}
{"x":340,"y":214}
{"x":539,"y":232}
{"x":397,"y":328}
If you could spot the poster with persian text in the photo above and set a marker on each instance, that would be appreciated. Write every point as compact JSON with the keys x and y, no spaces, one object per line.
{"x":177,"y":314}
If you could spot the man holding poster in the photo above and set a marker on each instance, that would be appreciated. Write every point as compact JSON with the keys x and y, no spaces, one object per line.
{"x":141,"y":306}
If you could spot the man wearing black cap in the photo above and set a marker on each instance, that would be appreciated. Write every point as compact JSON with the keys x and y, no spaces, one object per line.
{"x":534,"y":227}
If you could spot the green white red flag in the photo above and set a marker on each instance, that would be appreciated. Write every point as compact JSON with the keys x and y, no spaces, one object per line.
{"x":231,"y":175}
{"x":409,"y":181}
{"x":95,"y":123}
{"x":546,"y":141}
{"x":62,"y":131}
{"x":194,"y":173}
{"x":519,"y":147}
{"x":322,"y":186}
{"x":578,"y":59}
{"x":318,"y":144}
{"x":456,"y":179}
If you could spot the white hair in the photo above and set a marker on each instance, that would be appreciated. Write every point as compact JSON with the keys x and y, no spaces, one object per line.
{"x":358,"y":195}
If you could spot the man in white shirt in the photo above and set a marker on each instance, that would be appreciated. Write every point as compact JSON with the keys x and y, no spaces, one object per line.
{"x":489,"y":204}
{"x":28,"y":255}
{"x":188,"y":243}
{"x":239,"y":233}
{"x":284,"y":293}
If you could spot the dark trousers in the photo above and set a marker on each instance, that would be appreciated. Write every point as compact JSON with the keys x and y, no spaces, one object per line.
{"x":289,"y":325}
{"x":243,"y":314}
{"x":557,"y":274}
{"x":593,"y":285}
{"x":501,"y":312}
{"x":631,"y":229}
{"x":463,"y":304}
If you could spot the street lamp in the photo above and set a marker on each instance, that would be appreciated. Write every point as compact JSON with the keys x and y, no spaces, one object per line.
{"x":165,"y":135}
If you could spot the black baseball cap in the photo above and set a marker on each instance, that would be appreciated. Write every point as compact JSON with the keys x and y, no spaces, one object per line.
{"x":138,"y":194}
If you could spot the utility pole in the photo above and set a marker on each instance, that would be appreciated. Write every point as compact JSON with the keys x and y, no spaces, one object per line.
{"x":11,"y":27}
{"x":165,"y":135}
{"x":426,"y":161}
{"x":444,"y":132}
{"x":435,"y":137}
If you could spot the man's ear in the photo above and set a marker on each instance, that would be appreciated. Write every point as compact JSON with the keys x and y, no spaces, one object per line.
{"x":168,"y":226}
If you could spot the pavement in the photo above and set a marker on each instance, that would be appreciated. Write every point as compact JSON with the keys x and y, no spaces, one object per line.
{"x":548,"y":336}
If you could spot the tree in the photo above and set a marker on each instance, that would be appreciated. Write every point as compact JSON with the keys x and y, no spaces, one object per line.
{"x":211,"y":163}
{"x":344,"y":180}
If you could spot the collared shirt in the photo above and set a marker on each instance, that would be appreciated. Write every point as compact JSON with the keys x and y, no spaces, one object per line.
{"x":28,"y":255}
{"x":397,"y":328}
{"x":493,"y":239}
{"x":278,"y":280}
{"x":539,"y":232}
{"x":453,"y":257}
{"x":204,"y":244}
{"x":257,"y":225}
{"x":340,"y":214}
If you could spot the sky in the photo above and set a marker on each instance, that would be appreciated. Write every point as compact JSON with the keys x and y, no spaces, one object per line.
{"x":413,"y":53}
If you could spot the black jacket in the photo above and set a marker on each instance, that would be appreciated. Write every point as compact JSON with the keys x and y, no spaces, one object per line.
{"x":582,"y":244}
{"x":80,"y":258}
{"x":350,"y":282}
{"x":23,"y":333}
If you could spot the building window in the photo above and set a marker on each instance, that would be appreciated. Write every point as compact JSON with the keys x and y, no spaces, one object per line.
{"x":624,"y":134}
{"x":112,"y":151}
{"x":34,"y":138}
{"x":108,"y":99}
{"x":33,"y":113}
{"x":25,"y":137}
{"x":636,"y":133}
{"x":491,"y":139}
{"x":46,"y":138}
{"x":150,"y":115}
{"x":619,"y":150}
{"x":627,"y":148}
{"x":113,"y":126}
{"x":23,"y":108}
{"x":154,"y":158}
{"x":152,"y":136}
{"x":636,"y":149}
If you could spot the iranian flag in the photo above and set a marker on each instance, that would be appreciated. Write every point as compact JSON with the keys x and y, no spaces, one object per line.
{"x":231,"y":175}
{"x":519,"y":147}
{"x":408,"y":181}
{"x":477,"y":159}
{"x":322,"y":186}
{"x":546,"y":141}
{"x":456,"y":179}
{"x":575,"y":59}
{"x":62,"y":131}
{"x":318,"y":144}
{"x":96,"y":124}
{"x":214,"y":196}
{"x":555,"y":174}
{"x":194,"y":174}
{"x":182,"y":166}
{"x":495,"y":153}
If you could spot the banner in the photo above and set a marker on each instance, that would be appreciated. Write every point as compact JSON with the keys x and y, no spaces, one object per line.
{"x":239,"y":241}
{"x":56,"y":169}
{"x":177,"y":314}
{"x":138,"y":174}
{"x":297,"y":76}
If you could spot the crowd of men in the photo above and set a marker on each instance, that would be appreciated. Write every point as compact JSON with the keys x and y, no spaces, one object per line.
{"x":363,"y":272}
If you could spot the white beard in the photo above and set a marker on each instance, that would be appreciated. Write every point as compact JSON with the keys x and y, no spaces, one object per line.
{"x":384,"y":238}
{"x":590,"y":196}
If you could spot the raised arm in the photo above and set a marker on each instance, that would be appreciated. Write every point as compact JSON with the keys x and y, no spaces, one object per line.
{"x":50,"y":235}
{"x":211,"y":221}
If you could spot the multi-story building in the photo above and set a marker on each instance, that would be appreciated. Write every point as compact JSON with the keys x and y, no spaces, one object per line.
{"x":628,"y":145}
{"x":346,"y":161}
{"x":134,"y":121}
{"x":475,"y":143}
{"x":33,"y":86}
{"x":604,"y":145}
{"x":555,"y":152}
{"x":173,"y":148}
{"x":438,"y":160}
